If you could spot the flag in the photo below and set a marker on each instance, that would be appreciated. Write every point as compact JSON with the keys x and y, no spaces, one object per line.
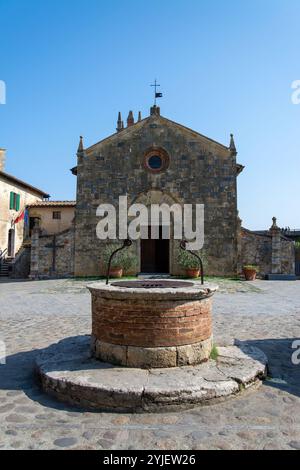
{"x":20,"y":217}
{"x":158,"y":95}
{"x":26,"y":217}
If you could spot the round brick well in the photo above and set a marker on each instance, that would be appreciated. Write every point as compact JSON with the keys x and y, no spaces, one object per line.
{"x":150,"y":324}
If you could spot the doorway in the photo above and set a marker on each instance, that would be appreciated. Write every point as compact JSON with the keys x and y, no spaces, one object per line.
{"x":155,"y":254}
{"x":11,"y":243}
{"x":33,"y":221}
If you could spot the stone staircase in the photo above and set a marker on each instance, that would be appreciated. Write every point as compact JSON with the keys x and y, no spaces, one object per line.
{"x":5,"y":267}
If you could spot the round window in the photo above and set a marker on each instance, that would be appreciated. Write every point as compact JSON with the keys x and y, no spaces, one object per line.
{"x":155,"y":162}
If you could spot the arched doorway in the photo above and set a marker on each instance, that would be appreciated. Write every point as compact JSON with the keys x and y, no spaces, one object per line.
{"x":11,"y":243}
{"x":156,"y":256}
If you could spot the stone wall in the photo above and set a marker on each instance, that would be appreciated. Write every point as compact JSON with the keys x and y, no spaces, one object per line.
{"x":256,"y":250}
{"x":271,"y":252}
{"x":287,"y":256}
{"x":42,"y":254}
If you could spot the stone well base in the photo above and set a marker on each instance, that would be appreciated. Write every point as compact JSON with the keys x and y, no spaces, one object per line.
{"x":67,"y":372}
{"x":147,"y":358}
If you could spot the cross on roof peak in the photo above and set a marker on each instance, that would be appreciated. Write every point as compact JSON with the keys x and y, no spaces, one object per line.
{"x":156,"y":93}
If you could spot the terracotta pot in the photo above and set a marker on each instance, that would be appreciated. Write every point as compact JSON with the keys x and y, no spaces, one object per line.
{"x":250,"y":274}
{"x":116,"y":272}
{"x":192,"y":272}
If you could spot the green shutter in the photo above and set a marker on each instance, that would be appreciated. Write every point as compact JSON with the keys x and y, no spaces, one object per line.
{"x":11,"y":200}
{"x":17,"y":202}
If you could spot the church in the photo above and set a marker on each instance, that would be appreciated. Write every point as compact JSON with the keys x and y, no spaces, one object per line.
{"x":153,"y":161}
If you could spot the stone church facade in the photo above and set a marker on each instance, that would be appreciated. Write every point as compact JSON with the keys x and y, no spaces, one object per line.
{"x":156,"y":160}
{"x":153,"y":161}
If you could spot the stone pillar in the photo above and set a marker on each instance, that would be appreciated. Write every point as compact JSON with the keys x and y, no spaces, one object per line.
{"x":239,"y":245}
{"x":155,"y":110}
{"x":34,"y":257}
{"x":276,"y":247}
{"x":130,"y":119}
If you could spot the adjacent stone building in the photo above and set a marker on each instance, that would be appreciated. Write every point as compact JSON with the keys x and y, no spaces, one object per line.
{"x":52,"y":239}
{"x":15,"y":195}
{"x":156,"y":160}
{"x":51,"y":216}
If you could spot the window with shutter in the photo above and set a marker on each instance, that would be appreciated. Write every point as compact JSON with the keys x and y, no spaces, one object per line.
{"x":17,"y":202}
{"x":14,"y":201}
{"x":11,"y":200}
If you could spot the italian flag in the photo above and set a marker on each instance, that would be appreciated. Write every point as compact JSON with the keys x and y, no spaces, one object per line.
{"x":22,"y":216}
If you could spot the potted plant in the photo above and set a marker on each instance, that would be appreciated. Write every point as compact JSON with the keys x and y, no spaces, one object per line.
{"x":115,"y":271}
{"x":189,"y":263}
{"x":127,"y":260}
{"x":250,"y":272}
{"x":121,"y":262}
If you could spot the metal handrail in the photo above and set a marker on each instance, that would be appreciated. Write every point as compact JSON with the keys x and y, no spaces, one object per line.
{"x":126,"y":244}
{"x":183,"y":247}
{"x":2,"y":253}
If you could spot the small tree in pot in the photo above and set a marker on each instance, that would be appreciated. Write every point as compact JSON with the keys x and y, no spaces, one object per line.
{"x":122,"y":262}
{"x":250,"y":272}
{"x":190,"y":263}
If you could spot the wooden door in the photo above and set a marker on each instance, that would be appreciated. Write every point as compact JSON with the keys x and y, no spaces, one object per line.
{"x":155,"y":254}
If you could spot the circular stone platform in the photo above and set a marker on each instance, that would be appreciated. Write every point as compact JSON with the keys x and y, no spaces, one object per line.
{"x":68,"y":372}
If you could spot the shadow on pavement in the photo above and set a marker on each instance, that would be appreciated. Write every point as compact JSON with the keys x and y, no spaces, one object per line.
{"x":283,"y":374}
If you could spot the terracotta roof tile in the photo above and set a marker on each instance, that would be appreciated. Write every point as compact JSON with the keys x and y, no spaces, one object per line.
{"x":52,"y":204}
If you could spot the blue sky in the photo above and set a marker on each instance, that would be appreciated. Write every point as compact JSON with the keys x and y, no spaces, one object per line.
{"x":224,"y":66}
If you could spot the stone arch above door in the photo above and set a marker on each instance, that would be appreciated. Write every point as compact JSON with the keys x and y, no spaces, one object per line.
{"x":155,"y":196}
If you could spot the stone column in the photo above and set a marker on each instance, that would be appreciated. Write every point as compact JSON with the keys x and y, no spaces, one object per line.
{"x":276,"y":247}
{"x":239,"y":245}
{"x":34,"y":256}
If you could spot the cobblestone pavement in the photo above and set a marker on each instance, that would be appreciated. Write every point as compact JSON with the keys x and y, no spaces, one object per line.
{"x":35,"y":314}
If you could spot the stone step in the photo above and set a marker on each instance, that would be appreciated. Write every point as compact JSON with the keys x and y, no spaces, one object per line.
{"x":5,"y":267}
{"x":86,"y":382}
{"x":4,"y":270}
{"x":281,"y":277}
{"x":153,"y":276}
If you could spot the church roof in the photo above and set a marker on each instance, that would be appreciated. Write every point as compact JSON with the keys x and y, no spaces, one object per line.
{"x":156,"y":118}
{"x":139,"y":124}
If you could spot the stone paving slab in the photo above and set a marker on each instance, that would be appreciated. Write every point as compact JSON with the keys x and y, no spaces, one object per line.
{"x":67,"y":372}
{"x":265,"y":314}
{"x":241,"y":362}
